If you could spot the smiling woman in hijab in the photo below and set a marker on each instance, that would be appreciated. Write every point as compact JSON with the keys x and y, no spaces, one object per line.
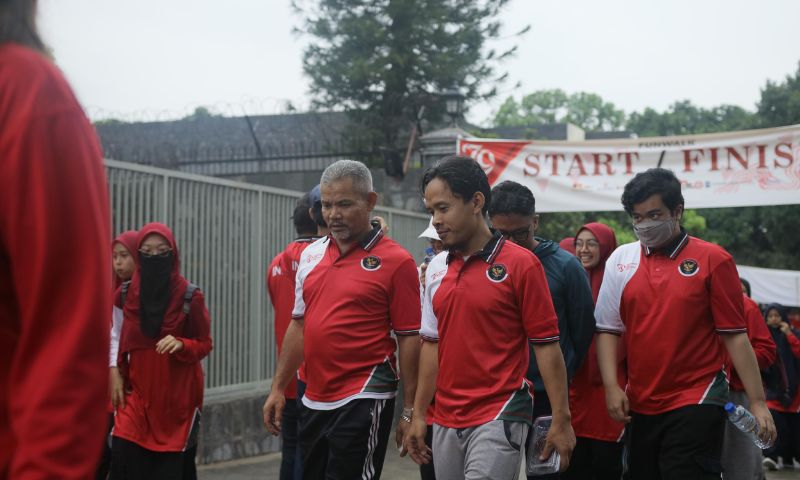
{"x":783,"y":388}
{"x":165,"y":335}
{"x":598,"y":451}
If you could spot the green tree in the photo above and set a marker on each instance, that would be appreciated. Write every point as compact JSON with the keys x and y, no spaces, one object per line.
{"x":780,"y":102}
{"x":384,"y":59}
{"x":685,"y":118}
{"x":586,"y":110}
{"x":198,"y":113}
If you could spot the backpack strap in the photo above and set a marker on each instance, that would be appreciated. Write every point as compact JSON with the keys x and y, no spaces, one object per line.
{"x":187,"y":297}
{"x":124,"y":291}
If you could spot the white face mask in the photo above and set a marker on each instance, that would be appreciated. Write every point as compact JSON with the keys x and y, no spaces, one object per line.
{"x":655,"y":233}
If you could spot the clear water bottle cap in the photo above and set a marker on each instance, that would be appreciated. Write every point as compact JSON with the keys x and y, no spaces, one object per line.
{"x":729,"y":407}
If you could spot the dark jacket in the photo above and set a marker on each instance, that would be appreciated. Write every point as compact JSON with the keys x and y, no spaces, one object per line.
{"x":572,"y":300}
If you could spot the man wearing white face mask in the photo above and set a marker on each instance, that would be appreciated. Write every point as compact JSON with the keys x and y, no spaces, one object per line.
{"x":678,"y":300}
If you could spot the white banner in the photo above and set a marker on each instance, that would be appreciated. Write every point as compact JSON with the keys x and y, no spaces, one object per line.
{"x":754,"y":167}
{"x":773,"y":286}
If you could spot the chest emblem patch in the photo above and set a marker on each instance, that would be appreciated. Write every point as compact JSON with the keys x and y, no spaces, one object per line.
{"x":497,"y":273}
{"x":371,"y":263}
{"x":688,"y":267}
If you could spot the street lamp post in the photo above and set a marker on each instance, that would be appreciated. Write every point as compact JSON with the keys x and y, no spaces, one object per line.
{"x":453,"y":104}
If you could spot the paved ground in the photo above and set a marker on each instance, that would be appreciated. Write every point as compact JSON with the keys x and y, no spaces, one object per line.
{"x":266,"y":468}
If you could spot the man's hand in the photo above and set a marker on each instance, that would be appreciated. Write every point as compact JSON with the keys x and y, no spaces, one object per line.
{"x":766,"y":425}
{"x":561,"y":437}
{"x":422,"y":268}
{"x":273,"y":411}
{"x":617,"y":404}
{"x":383,"y":224}
{"x":400,"y":432}
{"x":414,"y":441}
{"x":169,"y":344}
{"x":117,"y":386}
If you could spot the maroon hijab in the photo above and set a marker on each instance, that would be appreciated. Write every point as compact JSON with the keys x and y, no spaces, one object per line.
{"x":608,"y":243}
{"x":128,"y":240}
{"x":568,"y":244}
{"x":132,"y":336}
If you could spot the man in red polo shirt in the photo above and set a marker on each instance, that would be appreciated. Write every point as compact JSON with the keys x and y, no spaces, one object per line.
{"x":353,"y":288}
{"x":280,"y":285}
{"x":485,"y":300}
{"x":679,"y":302}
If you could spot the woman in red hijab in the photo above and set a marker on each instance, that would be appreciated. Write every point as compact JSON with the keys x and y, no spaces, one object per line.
{"x":165,"y":335}
{"x":124,"y":258}
{"x":598,"y":452}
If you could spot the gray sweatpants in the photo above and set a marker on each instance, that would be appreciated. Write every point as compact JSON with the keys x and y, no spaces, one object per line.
{"x":489,"y":451}
{"x":741,"y":458}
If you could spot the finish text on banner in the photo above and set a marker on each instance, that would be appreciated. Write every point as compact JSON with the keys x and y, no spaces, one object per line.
{"x":754,"y":167}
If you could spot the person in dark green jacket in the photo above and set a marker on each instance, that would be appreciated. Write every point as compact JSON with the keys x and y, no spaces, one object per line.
{"x":513,"y":213}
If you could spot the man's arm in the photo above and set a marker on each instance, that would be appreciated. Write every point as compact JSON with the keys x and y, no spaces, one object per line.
{"x":580,"y":314}
{"x":414,"y":440}
{"x":744,"y":360}
{"x":408,"y":348}
{"x":616,"y":399}
{"x":554,"y":374}
{"x":289,"y":361}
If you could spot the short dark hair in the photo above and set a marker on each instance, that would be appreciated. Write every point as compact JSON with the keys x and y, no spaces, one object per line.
{"x":463,"y":176}
{"x":746,"y":286}
{"x":512,"y":197}
{"x":316,"y":213}
{"x":651,"y":182}
{"x":303,"y":223}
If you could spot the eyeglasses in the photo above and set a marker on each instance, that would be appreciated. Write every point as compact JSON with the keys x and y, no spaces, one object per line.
{"x":161,"y":253}
{"x":587,"y":243}
{"x":517,"y":235}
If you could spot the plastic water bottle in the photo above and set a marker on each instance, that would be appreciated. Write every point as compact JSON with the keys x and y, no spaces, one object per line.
{"x":429,"y":254}
{"x":746,"y":422}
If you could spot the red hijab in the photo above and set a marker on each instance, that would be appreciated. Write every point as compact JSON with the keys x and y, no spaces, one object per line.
{"x":132,"y":336}
{"x":568,"y":244}
{"x":128,"y":240}
{"x":608,"y":243}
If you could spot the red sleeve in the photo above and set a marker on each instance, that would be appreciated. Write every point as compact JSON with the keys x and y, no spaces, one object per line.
{"x":197,"y":343}
{"x":759,"y":335}
{"x":727,"y":308}
{"x":536,"y":306}
{"x":405,"y":308}
{"x":794,"y":344}
{"x":54,"y":333}
{"x":273,"y":278}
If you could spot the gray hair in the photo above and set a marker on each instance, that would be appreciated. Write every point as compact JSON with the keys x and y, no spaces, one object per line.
{"x":356,"y":171}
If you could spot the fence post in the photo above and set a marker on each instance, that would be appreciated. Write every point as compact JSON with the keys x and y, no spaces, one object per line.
{"x":165,"y":201}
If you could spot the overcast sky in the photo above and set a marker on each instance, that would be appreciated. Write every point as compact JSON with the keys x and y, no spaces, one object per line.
{"x":159,"y":59}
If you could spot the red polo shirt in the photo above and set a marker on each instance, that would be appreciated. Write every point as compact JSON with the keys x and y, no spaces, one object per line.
{"x":280,"y":286}
{"x":671,"y":304}
{"x":483,"y":311}
{"x":350,"y":303}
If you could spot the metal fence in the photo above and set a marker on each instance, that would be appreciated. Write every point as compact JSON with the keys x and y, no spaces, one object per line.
{"x":227,"y":233}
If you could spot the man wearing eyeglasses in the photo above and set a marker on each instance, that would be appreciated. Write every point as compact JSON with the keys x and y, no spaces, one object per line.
{"x":513,"y":213}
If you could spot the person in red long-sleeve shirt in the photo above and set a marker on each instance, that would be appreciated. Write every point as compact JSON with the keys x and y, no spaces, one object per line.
{"x":54,"y":258}
{"x":741,"y":458}
{"x":783,"y":400}
{"x":165,"y":333}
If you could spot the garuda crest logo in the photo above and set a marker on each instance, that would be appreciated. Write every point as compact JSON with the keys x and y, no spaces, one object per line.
{"x":371,"y":263}
{"x":497,"y":272}
{"x":689,"y":267}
